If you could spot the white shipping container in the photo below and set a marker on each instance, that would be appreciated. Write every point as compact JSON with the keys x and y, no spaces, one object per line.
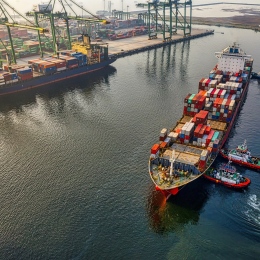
{"x":209,"y":92}
{"x":216,"y":93}
{"x":223,"y":93}
{"x":204,"y":154}
{"x":223,"y":103}
{"x":163,"y":132}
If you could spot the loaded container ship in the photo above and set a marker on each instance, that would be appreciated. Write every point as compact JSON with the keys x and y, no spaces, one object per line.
{"x":64,"y":65}
{"x":184,"y":152}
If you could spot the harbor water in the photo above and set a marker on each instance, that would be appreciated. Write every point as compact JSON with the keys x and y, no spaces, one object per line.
{"x":74,"y":164}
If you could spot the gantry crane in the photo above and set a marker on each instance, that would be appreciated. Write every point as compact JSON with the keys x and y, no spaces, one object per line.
{"x":4,"y":20}
{"x":157,"y":12}
{"x":48,"y":11}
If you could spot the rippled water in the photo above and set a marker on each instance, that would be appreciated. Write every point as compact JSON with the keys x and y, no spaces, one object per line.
{"x":74,"y":175}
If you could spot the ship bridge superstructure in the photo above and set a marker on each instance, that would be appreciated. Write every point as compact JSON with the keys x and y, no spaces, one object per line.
{"x":232,"y":59}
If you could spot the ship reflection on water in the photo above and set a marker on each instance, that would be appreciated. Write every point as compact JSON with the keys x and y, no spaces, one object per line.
{"x":84,"y":82}
{"x":180,"y":210}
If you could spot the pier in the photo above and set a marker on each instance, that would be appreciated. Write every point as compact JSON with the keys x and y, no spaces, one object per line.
{"x":132,"y":45}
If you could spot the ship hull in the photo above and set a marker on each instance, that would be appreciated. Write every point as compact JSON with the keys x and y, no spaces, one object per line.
{"x":173,"y":191}
{"x":241,"y":163}
{"x":195,"y":154}
{"x":53,"y":79}
{"x":229,"y":185}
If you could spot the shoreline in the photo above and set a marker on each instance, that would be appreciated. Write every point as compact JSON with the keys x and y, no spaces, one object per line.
{"x":244,"y":22}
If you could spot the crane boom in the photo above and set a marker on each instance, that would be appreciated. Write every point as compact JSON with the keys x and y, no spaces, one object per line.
{"x":89,"y":19}
{"x":40,"y":29}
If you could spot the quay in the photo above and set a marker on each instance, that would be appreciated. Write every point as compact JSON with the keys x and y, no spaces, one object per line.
{"x":132,"y":45}
{"x":129,"y":46}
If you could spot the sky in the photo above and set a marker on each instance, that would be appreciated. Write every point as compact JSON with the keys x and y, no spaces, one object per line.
{"x":94,"y":5}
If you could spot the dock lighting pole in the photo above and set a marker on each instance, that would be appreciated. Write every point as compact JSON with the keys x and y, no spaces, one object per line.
{"x":122,"y":5}
{"x":127,"y":15}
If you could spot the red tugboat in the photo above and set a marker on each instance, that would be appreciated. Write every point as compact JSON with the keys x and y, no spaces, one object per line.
{"x":228,"y":176}
{"x":242,"y":156}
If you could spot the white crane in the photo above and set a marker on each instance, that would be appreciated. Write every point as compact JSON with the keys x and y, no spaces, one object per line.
{"x":172,"y":159}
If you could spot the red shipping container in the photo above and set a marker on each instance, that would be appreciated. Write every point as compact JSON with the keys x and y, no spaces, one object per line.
{"x":212,"y":92}
{"x":155,"y":148}
{"x":227,"y":103}
{"x":219,"y":93}
{"x":202,"y":165}
{"x":230,"y":113}
{"x":25,"y":76}
{"x":208,"y":81}
{"x":207,"y":130}
{"x":197,"y":130}
{"x":203,"y":114}
{"x":202,"y":102}
{"x":185,"y":110}
{"x":202,"y":131}
{"x":187,"y":137}
{"x":210,"y":135}
{"x":201,"y":85}
{"x":162,"y":138}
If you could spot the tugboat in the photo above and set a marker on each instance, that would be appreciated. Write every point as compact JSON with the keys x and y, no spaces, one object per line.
{"x":242,"y":156}
{"x":255,"y":75}
{"x":227,"y":175}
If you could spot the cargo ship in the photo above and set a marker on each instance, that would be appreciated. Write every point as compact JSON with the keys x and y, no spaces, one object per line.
{"x":184,"y":152}
{"x":52,"y":69}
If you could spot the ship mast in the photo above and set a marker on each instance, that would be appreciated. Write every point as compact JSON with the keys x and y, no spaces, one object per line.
{"x":172,"y":159}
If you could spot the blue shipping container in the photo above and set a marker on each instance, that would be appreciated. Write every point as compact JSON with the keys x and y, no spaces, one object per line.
{"x":24,"y":71}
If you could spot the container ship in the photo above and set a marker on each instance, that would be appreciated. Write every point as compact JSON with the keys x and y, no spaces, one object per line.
{"x":184,"y":152}
{"x":62,"y":66}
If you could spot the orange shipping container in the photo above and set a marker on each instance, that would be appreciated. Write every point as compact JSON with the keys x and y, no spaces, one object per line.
{"x":163,"y":145}
{"x":155,"y":148}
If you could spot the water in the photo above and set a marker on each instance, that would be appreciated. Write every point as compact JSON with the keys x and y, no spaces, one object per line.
{"x":74,"y":174}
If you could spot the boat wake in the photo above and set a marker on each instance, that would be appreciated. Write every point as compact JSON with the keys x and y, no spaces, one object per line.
{"x":253,"y":212}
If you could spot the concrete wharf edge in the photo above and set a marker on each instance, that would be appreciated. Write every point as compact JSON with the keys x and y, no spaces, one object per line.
{"x":129,"y":46}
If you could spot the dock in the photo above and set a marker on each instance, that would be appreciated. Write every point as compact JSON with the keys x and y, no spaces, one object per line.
{"x":129,"y":46}
{"x":132,"y":45}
